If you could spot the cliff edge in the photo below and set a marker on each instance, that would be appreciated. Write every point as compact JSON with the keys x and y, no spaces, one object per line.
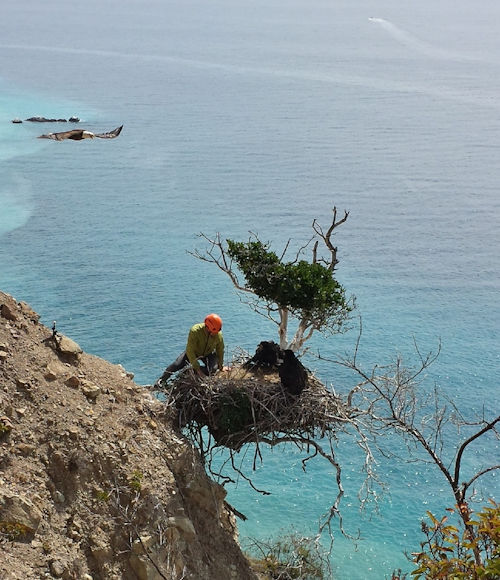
{"x":94,"y":481}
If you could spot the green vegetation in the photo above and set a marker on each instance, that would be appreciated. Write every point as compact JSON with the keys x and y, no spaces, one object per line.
{"x":305,"y":289}
{"x":14,"y":531}
{"x":103,"y":496}
{"x":457,"y":554}
{"x":135,"y":480}
{"x":281,"y":289}
{"x":290,"y":557}
{"x":5,"y":426}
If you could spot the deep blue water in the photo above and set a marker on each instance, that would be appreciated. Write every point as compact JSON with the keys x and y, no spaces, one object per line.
{"x":261,"y":116}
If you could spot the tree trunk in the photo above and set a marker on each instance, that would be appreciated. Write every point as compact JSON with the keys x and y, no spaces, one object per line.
{"x":298,"y":340}
{"x":463,"y":510}
{"x":283,"y":328}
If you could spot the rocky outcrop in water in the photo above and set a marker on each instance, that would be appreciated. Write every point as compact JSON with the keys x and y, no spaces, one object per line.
{"x":47,"y":120}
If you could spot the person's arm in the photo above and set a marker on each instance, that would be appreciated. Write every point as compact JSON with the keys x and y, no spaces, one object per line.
{"x":219,"y":349}
{"x":191,"y":350}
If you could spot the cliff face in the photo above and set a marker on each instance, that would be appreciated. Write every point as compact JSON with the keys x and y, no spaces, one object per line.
{"x":94,"y":482}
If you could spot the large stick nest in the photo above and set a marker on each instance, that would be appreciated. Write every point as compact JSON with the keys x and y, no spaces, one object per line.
{"x":270,"y":399}
{"x":242,"y":405}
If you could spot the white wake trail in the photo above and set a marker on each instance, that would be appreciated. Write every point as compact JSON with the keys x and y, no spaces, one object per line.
{"x":410,"y":41}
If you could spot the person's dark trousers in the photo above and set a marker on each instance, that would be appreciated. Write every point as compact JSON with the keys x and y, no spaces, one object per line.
{"x":210,"y":362}
{"x":179,"y":363}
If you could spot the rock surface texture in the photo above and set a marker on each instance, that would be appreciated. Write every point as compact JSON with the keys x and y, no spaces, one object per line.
{"x":94,"y":481}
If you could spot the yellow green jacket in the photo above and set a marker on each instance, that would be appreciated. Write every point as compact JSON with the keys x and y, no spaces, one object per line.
{"x":201,"y":343}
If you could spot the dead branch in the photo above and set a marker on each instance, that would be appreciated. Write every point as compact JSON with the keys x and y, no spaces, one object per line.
{"x":388,"y":400}
{"x":327,"y":239}
{"x":216,"y":254}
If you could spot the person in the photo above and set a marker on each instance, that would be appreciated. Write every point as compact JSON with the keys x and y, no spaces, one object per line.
{"x":206,"y":343}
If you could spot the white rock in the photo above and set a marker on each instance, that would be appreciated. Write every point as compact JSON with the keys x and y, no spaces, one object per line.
{"x":184,"y":525}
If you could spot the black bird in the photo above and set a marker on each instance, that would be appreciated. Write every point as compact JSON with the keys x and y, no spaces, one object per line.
{"x":268,"y":355}
{"x":293,"y":374}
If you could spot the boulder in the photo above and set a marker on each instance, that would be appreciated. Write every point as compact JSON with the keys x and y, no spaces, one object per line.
{"x":73,"y":381}
{"x":18,"y":511}
{"x":54,"y":370}
{"x":8,"y":312}
{"x":184,"y":525}
{"x":57,"y":568}
{"x":64,"y":345}
{"x":68,"y":346}
{"x":90,"y":390}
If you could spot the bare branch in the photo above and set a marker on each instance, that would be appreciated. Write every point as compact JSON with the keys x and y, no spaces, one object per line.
{"x":327,"y":239}
{"x":387,"y":399}
{"x":479,"y":474}
{"x":284,"y":250}
{"x":216,"y":254}
{"x":458,"y":461}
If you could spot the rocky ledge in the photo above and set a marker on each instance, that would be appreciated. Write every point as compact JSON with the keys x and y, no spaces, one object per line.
{"x":94,"y":481}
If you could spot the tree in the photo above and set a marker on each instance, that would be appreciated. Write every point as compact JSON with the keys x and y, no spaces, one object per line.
{"x":392,"y":399}
{"x":280,"y":289}
{"x":387,"y":400}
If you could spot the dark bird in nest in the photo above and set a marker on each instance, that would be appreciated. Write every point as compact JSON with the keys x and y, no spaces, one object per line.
{"x":79,"y":134}
{"x":268,"y":355}
{"x":293,"y":373}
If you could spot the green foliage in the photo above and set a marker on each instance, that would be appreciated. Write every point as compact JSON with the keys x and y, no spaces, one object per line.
{"x":15,"y":531}
{"x":135,"y":480}
{"x":260,"y":267}
{"x":5,"y":426}
{"x":290,"y":557}
{"x":297,"y":286}
{"x":453,"y":554}
{"x":235,"y":412}
{"x":102,"y":495}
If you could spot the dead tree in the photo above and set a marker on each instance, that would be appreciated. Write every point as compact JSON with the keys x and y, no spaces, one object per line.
{"x":391,"y":399}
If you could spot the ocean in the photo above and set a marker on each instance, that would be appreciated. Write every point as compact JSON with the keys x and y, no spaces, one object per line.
{"x":260,"y":117}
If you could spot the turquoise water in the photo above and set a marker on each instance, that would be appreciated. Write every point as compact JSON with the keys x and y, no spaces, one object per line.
{"x":261,"y":116}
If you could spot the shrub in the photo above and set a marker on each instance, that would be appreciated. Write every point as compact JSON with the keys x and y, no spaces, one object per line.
{"x":290,"y":557}
{"x":472,"y":553}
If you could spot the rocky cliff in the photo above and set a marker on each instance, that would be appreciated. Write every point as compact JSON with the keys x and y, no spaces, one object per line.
{"x":94,"y":481}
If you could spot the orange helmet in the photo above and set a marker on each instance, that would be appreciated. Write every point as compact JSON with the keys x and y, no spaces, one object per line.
{"x":213,"y":322}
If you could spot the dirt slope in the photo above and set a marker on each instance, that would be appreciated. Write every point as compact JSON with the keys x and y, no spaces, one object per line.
{"x":94,"y":482}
